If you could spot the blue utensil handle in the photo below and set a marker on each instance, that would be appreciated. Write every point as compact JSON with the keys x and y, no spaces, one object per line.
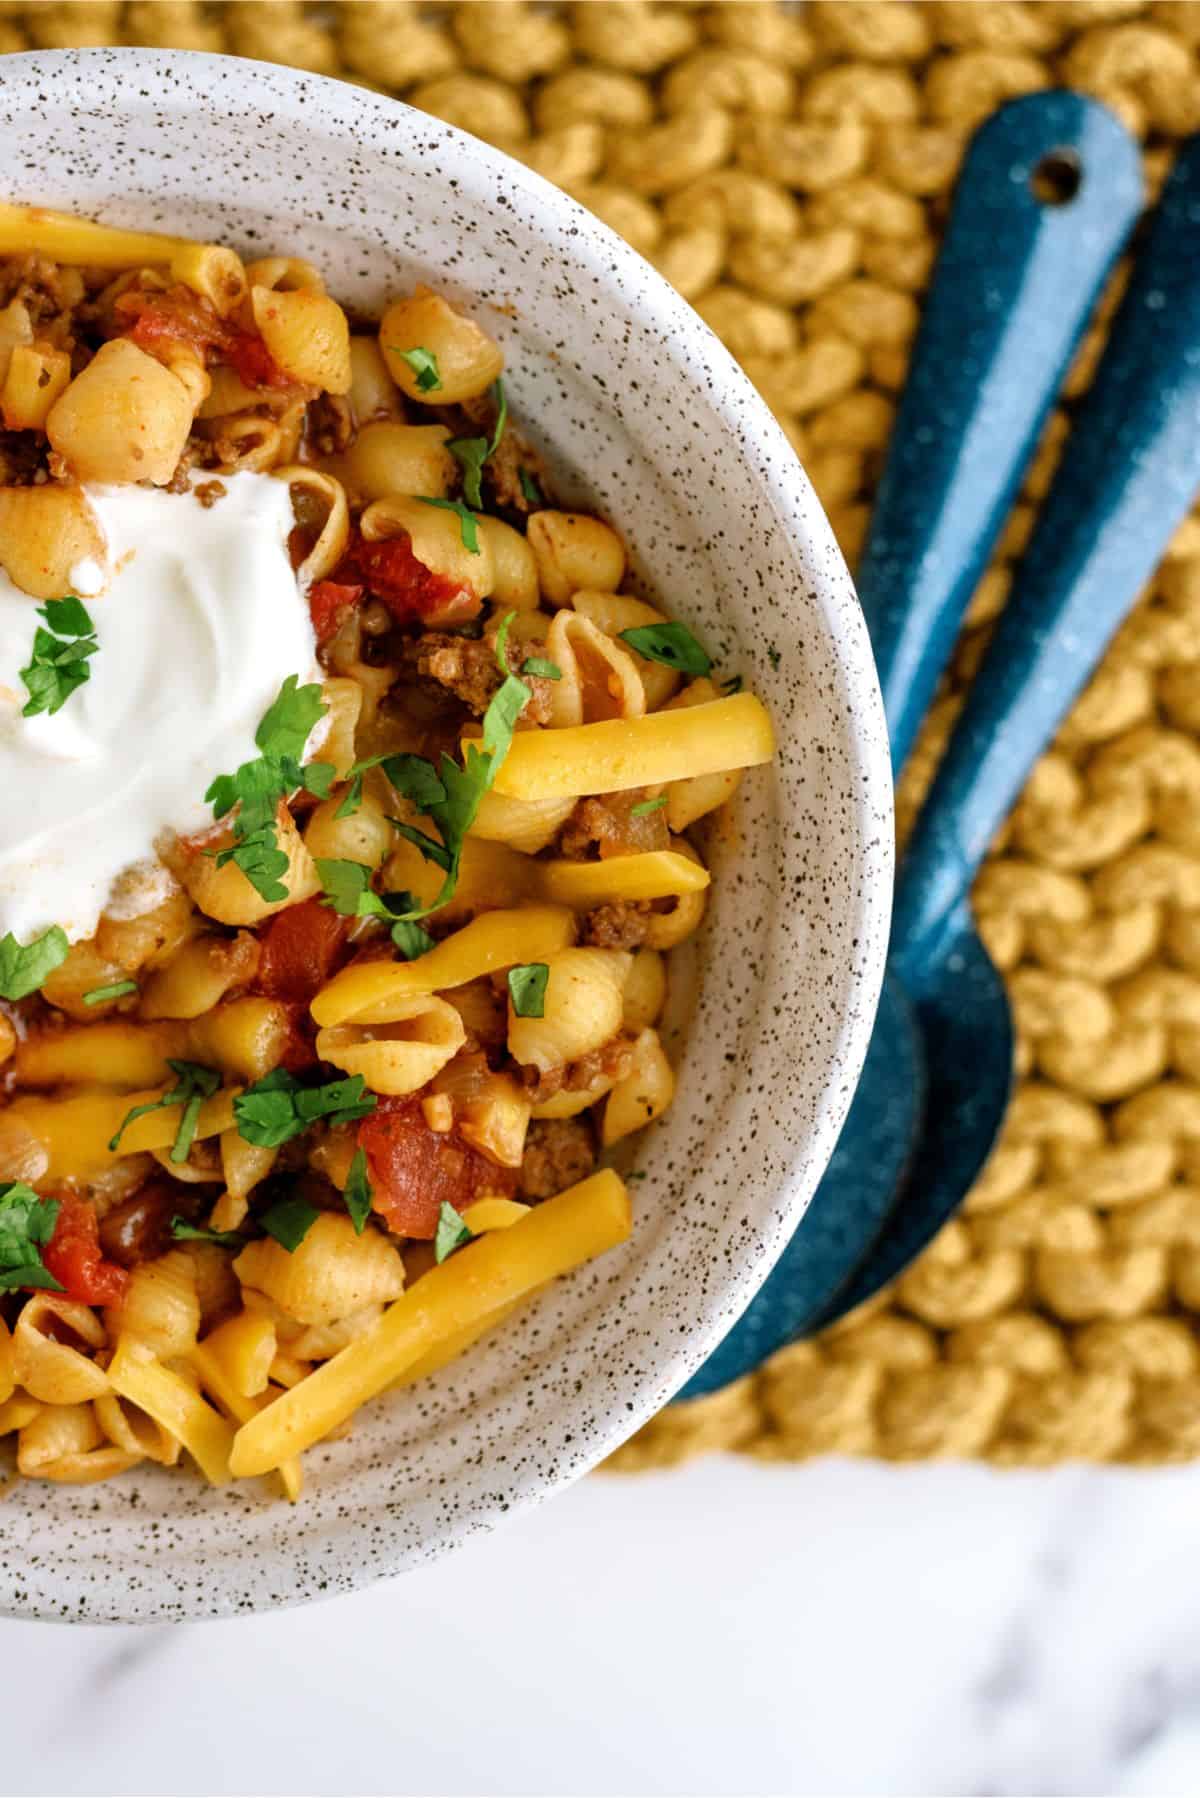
{"x":1130,"y":473}
{"x":1015,"y":282}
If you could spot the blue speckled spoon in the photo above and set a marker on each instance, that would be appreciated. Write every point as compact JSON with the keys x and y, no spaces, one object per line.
{"x":1015,"y":283}
{"x":1130,"y":474}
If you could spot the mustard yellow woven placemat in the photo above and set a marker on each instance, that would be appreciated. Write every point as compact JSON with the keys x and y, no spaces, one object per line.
{"x":789,"y":170}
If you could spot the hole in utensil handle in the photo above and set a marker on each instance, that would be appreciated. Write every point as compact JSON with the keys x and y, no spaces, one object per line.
{"x":1057,"y":178}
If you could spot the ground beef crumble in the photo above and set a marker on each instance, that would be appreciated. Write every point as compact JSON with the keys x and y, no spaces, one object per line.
{"x":49,"y":294}
{"x":611,"y":1061}
{"x":466,"y":667}
{"x":558,"y":1152}
{"x":623,"y":924}
{"x":193,"y":456}
{"x":23,"y":460}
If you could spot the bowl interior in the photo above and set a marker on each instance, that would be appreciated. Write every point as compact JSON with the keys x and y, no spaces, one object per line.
{"x":645,"y":417}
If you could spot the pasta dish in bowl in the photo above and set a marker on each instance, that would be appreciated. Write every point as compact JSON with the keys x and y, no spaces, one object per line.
{"x":361,"y":791}
{"x":419,"y":946}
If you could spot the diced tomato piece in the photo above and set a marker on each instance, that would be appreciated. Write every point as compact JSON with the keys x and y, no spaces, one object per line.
{"x":329,"y":601}
{"x":408,"y":589}
{"x":415,"y":1169}
{"x":156,"y":320}
{"x":301,"y":947}
{"x":73,"y":1256}
{"x":253,"y":362}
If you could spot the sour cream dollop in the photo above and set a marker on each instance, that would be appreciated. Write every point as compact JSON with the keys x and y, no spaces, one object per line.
{"x":199,"y":620}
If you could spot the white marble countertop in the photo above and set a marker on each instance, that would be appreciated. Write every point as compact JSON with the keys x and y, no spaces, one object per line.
{"x":733,"y":1629}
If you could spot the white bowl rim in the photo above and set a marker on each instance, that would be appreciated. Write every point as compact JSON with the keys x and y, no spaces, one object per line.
{"x":797,"y":511}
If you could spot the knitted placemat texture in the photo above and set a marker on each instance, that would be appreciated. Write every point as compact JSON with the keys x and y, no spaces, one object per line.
{"x":789,"y":171}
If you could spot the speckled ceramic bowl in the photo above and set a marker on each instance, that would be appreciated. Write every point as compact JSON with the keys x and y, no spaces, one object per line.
{"x":645,"y":415}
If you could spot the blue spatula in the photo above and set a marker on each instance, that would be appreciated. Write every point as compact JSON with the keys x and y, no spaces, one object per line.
{"x":1016,"y":280}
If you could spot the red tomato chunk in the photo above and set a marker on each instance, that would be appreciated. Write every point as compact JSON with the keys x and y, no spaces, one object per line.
{"x":253,"y":362}
{"x":73,"y":1256}
{"x":301,"y":947}
{"x":328,"y":602}
{"x":415,"y":1169}
{"x":411,"y":592}
{"x":154,"y":321}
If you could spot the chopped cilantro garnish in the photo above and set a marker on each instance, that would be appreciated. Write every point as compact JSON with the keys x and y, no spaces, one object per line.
{"x":278,"y":1107}
{"x":540,"y":666}
{"x":430,"y":848}
{"x":473,"y":452}
{"x":68,"y":617}
{"x":182,"y":1231}
{"x":427,"y":783}
{"x":530,"y":488}
{"x":262,"y":861}
{"x":424,"y":366}
{"x":59,"y":661}
{"x":467,"y":521}
{"x":194,"y":1084}
{"x":646,"y":806}
{"x":120,"y":989}
{"x":451,"y":798}
{"x":507,"y":704}
{"x":417,"y":779}
{"x":451,"y":1232}
{"x":348,"y":888}
{"x":352,"y":797}
{"x":289,"y":1222}
{"x":24,"y":966}
{"x":359,"y":1195}
{"x":26,"y":1223}
{"x":669,"y":643}
{"x":288,"y":722}
{"x":527,"y":988}
{"x":349,"y":892}
{"x":408,"y":936}
{"x":257,"y":787}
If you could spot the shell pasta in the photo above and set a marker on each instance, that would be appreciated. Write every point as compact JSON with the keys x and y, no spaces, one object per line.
{"x":320,"y":1031}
